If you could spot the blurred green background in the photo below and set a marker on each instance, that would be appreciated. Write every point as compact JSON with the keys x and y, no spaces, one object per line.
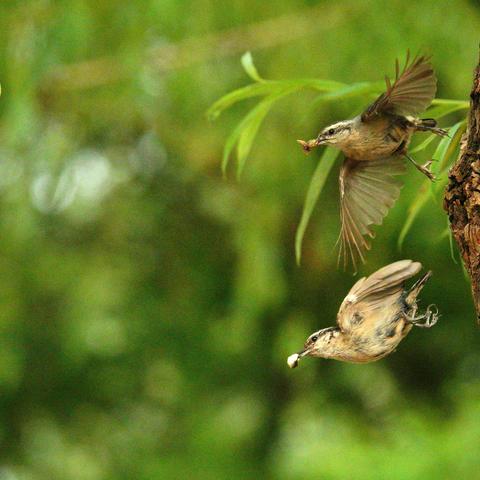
{"x":147,"y":306}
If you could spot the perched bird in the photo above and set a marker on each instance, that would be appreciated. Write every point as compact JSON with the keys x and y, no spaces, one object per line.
{"x":374,"y":144}
{"x":375,"y":316}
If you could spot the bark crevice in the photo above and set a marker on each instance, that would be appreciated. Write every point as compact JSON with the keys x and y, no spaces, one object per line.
{"x":462,"y":194}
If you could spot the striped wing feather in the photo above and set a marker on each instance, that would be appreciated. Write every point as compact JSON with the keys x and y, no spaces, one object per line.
{"x":367,"y":191}
{"x":410,"y":94}
{"x":379,"y":290}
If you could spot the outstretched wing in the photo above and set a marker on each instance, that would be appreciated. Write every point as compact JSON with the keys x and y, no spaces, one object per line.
{"x":368,"y":190}
{"x":410,"y":94}
{"x":382,"y":288}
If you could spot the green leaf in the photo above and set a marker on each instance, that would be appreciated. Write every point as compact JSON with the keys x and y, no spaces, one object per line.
{"x":441,"y":150}
{"x":423,"y":145}
{"x":252,"y":90}
{"x":413,"y":212}
{"x":455,"y":134}
{"x":439,"y":154}
{"x":246,"y":131}
{"x":348,"y":91}
{"x":229,"y":144}
{"x":444,"y":151}
{"x":249,"y":131}
{"x":249,"y":67}
{"x":448,"y":101}
{"x":269,"y":87}
{"x":319,"y":84}
{"x":466,"y":275}
{"x":447,"y":233}
{"x":443,"y":109}
{"x":315,"y":188}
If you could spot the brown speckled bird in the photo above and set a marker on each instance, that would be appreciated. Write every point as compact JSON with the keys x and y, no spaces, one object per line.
{"x":375,"y":316}
{"x":375,"y":144}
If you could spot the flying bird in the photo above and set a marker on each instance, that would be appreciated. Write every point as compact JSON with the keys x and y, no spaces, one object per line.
{"x":375,"y":145}
{"x":373,"y":318}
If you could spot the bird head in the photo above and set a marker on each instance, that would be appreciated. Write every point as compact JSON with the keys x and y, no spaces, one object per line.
{"x":318,"y":344}
{"x":336,"y":134}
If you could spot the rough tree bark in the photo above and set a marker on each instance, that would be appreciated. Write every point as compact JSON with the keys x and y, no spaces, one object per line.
{"x":462,"y":195}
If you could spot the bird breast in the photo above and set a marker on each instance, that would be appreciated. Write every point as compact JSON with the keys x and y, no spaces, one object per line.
{"x":372,"y":336}
{"x":379,"y":333}
{"x":376,"y":139}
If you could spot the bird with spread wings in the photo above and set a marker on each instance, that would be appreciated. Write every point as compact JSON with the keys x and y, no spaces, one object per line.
{"x":375,"y":145}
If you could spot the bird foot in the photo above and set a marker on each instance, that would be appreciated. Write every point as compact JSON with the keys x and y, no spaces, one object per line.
{"x":430,"y":317}
{"x":440,"y":132}
{"x":425,"y":169}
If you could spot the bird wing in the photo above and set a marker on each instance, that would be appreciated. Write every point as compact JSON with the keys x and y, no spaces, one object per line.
{"x":367,"y":190}
{"x":410,"y":94}
{"x":379,"y":290}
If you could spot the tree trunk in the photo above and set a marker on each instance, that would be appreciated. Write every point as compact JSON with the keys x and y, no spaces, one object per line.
{"x":462,"y":195}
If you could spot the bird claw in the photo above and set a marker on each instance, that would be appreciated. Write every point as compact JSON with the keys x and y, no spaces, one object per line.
{"x":430,"y":317}
{"x":425,"y":169}
{"x":440,"y":131}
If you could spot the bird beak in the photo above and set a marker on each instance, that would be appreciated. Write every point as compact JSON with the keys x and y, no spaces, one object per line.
{"x":292,"y":360}
{"x":320,"y":140}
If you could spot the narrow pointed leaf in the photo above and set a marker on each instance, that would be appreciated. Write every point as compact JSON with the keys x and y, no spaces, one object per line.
{"x":252,"y":122}
{"x":413,"y":211}
{"x":315,"y":188}
{"x":443,"y":147}
{"x":250,"y":91}
{"x":317,"y":84}
{"x":455,"y":134}
{"x":229,"y":145}
{"x":249,"y":132}
{"x":439,"y":111}
{"x":439,"y":155}
{"x":249,"y":67}
{"x":269,"y":87}
{"x":449,"y":101}
{"x":444,"y":151}
{"x":423,"y":145}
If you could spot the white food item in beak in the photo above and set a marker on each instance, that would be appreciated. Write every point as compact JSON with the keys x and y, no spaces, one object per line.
{"x":292,"y":360}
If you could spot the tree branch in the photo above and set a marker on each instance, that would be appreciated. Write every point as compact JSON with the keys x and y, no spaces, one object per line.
{"x":462,"y":195}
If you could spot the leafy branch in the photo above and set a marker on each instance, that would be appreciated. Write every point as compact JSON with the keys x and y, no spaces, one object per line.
{"x":270,"y":91}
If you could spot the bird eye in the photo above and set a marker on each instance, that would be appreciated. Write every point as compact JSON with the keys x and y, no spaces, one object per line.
{"x":314,"y":338}
{"x":331,"y":131}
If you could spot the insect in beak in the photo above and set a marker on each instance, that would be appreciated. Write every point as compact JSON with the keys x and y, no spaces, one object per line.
{"x":309,"y":145}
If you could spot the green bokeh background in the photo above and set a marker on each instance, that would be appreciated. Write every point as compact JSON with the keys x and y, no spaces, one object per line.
{"x":147,"y":306}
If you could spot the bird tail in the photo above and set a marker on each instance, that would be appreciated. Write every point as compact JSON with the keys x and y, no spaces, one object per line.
{"x":386,"y":281}
{"x":430,"y":125}
{"x":417,"y":287}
